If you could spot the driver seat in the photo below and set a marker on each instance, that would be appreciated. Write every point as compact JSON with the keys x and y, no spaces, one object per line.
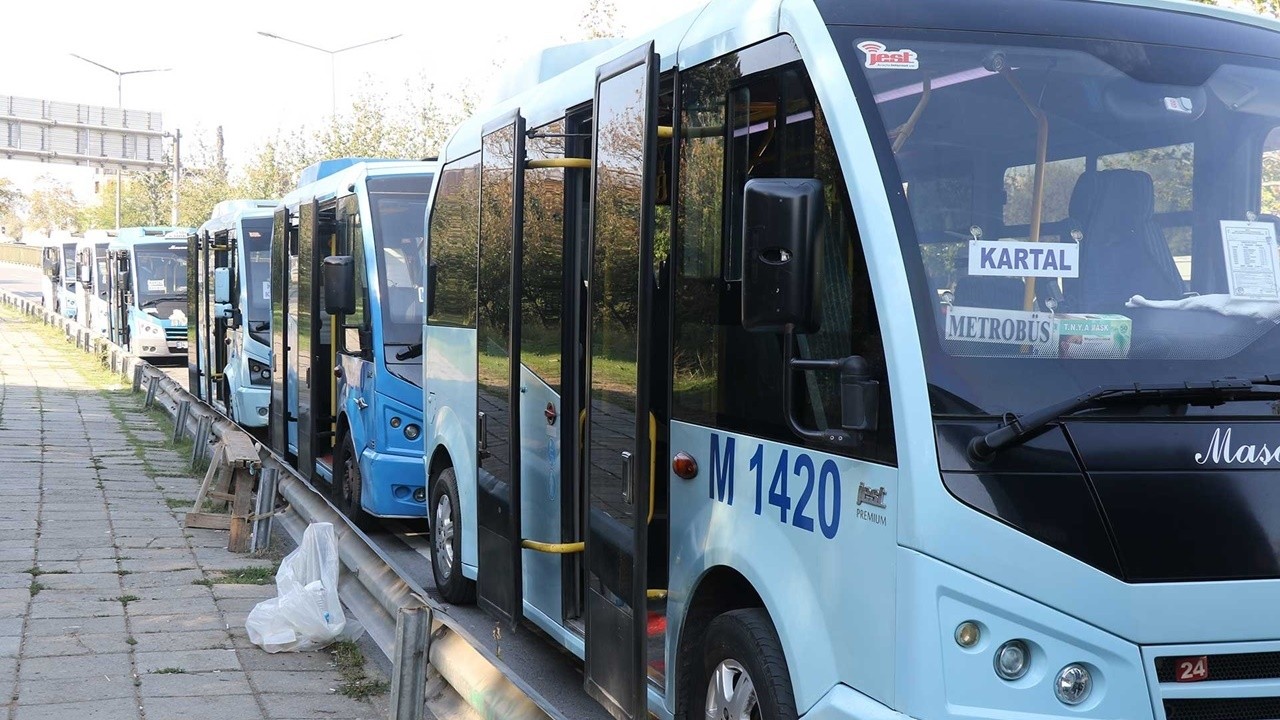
{"x":1123,"y":252}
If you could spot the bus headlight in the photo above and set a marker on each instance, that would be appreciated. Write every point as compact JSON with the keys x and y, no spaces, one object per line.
{"x":259,"y":373}
{"x":412,"y":431}
{"x":1073,"y":684}
{"x":150,"y":329}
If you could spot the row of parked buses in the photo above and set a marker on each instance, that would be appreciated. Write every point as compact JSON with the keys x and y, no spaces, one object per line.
{"x":655,"y":349}
{"x":129,"y":285}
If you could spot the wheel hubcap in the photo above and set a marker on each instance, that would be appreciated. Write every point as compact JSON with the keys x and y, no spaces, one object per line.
{"x":444,"y":536}
{"x":731,"y":695}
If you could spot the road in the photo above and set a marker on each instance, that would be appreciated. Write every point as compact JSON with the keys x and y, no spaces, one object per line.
{"x":25,"y":283}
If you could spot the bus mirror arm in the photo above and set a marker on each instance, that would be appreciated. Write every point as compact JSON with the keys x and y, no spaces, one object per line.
{"x":859,"y":396}
{"x":432,"y":272}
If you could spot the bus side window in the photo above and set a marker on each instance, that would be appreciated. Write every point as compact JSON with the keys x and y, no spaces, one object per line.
{"x":454,"y":230}
{"x":772,"y":127}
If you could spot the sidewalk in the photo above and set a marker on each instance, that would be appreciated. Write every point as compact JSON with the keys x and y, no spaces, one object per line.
{"x":109,"y":608}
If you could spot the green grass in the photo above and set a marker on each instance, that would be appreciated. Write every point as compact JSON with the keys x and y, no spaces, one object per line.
{"x":36,"y":586}
{"x":126,"y":599}
{"x":350,"y":664}
{"x":177,"y":503}
{"x":35,"y":571}
{"x":169,"y":671}
{"x":245,"y":576}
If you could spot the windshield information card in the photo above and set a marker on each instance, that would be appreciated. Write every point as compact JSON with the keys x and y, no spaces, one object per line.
{"x":1253,"y":269}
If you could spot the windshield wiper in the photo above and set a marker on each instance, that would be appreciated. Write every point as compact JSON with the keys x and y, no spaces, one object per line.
{"x":1018,"y":429}
{"x":410,"y":352}
{"x":259,"y":325}
{"x":162,"y":298}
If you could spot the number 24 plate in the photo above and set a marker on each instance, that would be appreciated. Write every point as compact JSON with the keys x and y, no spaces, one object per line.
{"x":1191,"y":669}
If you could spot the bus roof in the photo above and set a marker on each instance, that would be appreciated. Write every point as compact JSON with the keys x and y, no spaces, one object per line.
{"x":719,"y":26}
{"x":338,"y":182}
{"x":227,"y":213}
{"x":164,"y":235}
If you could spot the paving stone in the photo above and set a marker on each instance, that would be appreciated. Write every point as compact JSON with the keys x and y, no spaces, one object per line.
{"x":50,"y":627}
{"x":204,"y":684}
{"x":209,"y":707}
{"x":188,"y":660}
{"x":76,"y":666}
{"x":181,"y":641}
{"x":106,"y":709}
{"x":39,"y":692}
{"x":75,"y":644}
{"x":315,"y":704}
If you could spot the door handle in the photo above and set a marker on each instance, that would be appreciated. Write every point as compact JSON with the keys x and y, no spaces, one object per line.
{"x":482,"y":430}
{"x":308,"y":377}
{"x":628,"y":478}
{"x":360,"y":403}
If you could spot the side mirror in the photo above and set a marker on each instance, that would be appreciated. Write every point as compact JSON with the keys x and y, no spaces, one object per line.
{"x":222,"y":285}
{"x":782,"y":227}
{"x":339,"y":285}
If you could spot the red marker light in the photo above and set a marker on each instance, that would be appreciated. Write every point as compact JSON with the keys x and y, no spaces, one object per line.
{"x":684,"y":465}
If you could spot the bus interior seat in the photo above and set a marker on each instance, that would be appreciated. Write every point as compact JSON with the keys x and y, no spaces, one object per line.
{"x":1123,"y":252}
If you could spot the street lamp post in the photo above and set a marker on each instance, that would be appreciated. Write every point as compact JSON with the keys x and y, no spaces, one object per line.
{"x":119,"y":103}
{"x":333,"y":93}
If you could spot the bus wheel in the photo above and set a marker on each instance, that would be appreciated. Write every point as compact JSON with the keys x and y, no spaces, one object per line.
{"x":346,"y":483}
{"x":446,"y":541}
{"x":744,"y":674}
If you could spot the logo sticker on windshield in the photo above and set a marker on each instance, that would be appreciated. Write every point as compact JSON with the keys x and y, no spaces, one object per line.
{"x":881,"y":58}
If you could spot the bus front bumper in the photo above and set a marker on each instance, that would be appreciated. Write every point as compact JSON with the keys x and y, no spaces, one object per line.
{"x":251,"y":405}
{"x":391,"y":483}
{"x":844,"y":703}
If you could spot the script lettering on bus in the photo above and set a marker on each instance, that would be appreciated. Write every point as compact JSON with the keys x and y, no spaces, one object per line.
{"x":821,"y":485}
{"x":1221,"y":451}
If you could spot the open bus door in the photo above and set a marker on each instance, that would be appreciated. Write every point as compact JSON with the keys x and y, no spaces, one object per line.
{"x":121,"y":296}
{"x":499,"y":584}
{"x":618,"y":463}
{"x":284,"y":292}
{"x":196,"y":312}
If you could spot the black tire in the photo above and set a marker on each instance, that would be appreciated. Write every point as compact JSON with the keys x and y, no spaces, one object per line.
{"x":345,"y":489}
{"x":445,"y":517}
{"x":738,"y":643}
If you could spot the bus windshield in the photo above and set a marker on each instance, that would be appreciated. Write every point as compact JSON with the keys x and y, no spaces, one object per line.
{"x":1077,"y":212}
{"x":162,"y":279}
{"x":69,"y":265}
{"x":399,"y":205}
{"x":257,"y":277}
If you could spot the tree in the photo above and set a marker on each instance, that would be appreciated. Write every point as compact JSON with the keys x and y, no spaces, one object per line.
{"x":51,"y":206}
{"x":1261,"y":7}
{"x":600,"y":20}
{"x":11,"y":203}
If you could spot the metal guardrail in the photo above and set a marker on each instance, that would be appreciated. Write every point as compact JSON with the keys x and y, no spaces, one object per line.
{"x":436,"y":663}
{"x":18,"y":254}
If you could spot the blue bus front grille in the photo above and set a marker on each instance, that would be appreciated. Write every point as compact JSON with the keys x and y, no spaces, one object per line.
{"x":175,"y":334}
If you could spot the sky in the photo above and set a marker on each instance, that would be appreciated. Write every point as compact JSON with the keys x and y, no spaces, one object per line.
{"x":224,"y":73}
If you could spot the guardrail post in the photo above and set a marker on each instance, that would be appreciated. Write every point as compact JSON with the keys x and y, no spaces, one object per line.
{"x":137,"y":373}
{"x":263,"y":506}
{"x":152,"y":385}
{"x":180,"y":419}
{"x":201,"y":440}
{"x":409,"y":664}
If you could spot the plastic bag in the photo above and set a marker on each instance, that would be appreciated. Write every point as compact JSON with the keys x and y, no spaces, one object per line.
{"x":306,"y":612}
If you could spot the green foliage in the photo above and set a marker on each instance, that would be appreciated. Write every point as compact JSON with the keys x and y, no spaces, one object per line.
{"x":51,"y":206}
{"x":1262,"y":7}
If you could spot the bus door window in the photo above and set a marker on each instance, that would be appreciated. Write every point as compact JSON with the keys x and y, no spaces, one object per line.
{"x":775,"y":129}
{"x":324,"y":357}
{"x":356,"y":336}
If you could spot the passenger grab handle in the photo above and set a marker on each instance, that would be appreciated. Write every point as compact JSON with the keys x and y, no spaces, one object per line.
{"x":628,"y":478}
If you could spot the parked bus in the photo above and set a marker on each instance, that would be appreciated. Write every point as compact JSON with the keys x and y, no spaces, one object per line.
{"x":346,"y":405}
{"x":92,"y":284}
{"x":59,"y":285}
{"x":148,"y":291}
{"x":696,"y":408}
{"x":229,"y":310}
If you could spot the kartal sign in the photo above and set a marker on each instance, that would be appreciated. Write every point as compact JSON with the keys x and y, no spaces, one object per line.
{"x":1014,"y":258}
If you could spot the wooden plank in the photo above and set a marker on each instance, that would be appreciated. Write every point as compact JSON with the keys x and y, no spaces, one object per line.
{"x":225,"y":497}
{"x":208,"y":521}
{"x":214,"y":465}
{"x":241,"y":506}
